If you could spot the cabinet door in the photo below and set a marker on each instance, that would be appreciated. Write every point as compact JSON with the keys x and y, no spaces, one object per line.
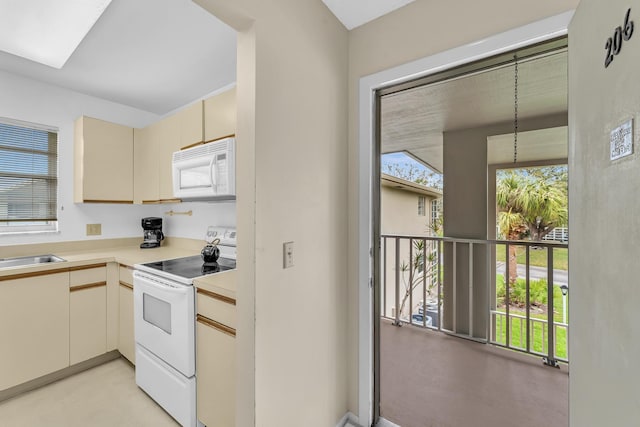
{"x":191,"y":125}
{"x":34,"y":327}
{"x":168,"y":141}
{"x":220,"y":115}
{"x":126,"y":338}
{"x":145,"y":162}
{"x":103,"y":162}
{"x":215,"y":374}
{"x":88,"y":314}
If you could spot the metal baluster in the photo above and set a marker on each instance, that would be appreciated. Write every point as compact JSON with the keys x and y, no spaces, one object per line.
{"x":424,"y":283}
{"x":455,"y":290}
{"x":397,"y":313}
{"x":550,"y":359}
{"x":488,"y":282}
{"x":470,"y":289}
{"x":410,"y":287}
{"x":528,"y":295}
{"x":384,"y":277}
{"x":440,"y":316}
{"x":506,"y":298}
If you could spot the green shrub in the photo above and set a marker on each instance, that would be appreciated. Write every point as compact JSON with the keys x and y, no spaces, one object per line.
{"x":518,"y":295}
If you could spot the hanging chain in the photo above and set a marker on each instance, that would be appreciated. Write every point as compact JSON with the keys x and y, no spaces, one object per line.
{"x":515,"y":111}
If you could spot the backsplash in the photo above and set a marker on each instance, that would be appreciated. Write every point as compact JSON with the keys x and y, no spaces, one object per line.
{"x":203,"y":215}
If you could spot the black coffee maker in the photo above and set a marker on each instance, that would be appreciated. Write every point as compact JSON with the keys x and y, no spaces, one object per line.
{"x":152,"y":227}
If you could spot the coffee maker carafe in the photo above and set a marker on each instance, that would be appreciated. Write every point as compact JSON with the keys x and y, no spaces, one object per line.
{"x":152,"y":227}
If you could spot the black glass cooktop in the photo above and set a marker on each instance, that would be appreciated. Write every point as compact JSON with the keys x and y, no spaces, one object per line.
{"x":191,"y":266}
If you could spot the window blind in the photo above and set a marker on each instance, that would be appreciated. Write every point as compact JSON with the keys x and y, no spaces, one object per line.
{"x":28,"y":173}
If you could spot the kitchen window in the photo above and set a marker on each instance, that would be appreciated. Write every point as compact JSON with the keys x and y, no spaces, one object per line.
{"x":28,"y":177}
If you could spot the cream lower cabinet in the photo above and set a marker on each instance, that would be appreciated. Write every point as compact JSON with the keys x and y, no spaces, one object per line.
{"x":34,"y":327}
{"x":87,"y":313}
{"x":126,"y":337}
{"x":215,"y":360}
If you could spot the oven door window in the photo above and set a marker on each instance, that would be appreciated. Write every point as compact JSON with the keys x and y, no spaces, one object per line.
{"x":157,"y":312}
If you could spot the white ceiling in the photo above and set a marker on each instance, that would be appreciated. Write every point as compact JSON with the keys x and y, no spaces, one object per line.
{"x":155,"y":55}
{"x":353,"y":13}
{"x":47,"y":31}
{"x":535,"y":145}
{"x":414,"y":120}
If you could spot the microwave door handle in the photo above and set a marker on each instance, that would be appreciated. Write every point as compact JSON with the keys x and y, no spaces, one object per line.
{"x":213,"y":173}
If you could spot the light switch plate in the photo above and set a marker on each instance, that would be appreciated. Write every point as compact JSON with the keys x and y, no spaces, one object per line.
{"x":287,"y":255}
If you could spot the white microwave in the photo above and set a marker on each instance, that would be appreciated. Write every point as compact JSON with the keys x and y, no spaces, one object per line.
{"x":207,"y":171}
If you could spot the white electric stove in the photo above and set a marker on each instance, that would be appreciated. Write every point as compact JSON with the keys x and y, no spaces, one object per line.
{"x":164,"y":317}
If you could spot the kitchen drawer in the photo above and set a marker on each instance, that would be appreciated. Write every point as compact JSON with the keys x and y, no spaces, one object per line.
{"x":126,"y":275}
{"x":87,"y":275}
{"x":216,"y":307}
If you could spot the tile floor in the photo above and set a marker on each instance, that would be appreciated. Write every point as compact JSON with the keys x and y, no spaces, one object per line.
{"x":430,"y":379}
{"x":105,"y":396}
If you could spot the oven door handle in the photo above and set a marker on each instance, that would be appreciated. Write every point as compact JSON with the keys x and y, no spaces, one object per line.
{"x":148,"y":282}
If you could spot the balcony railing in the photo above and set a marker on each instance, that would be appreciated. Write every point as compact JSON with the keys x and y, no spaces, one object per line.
{"x":468,"y":288}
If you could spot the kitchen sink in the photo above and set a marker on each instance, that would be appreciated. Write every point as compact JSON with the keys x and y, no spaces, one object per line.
{"x":29,"y":260}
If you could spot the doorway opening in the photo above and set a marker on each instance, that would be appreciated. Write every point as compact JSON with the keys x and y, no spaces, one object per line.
{"x":438,"y":276}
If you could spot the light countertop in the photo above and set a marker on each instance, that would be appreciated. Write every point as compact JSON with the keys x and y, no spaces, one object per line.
{"x":221,"y":283}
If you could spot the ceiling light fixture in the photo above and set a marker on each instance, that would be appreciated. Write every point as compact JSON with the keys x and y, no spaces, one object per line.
{"x":47,"y":31}
{"x":515,"y":110}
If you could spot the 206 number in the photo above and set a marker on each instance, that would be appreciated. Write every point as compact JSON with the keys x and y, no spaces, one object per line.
{"x":613,"y":46}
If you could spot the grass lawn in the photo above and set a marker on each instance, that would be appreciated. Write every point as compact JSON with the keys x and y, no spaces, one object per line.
{"x":537,"y":257}
{"x":518,"y":334}
{"x":539,"y":337}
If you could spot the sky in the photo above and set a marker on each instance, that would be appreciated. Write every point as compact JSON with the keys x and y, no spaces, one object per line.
{"x":401,"y":158}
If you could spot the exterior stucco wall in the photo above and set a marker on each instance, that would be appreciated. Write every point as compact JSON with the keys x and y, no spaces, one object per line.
{"x":400,"y":212}
{"x":603,"y":216}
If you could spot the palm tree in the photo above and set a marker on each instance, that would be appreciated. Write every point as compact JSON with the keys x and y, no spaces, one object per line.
{"x":529,"y":205}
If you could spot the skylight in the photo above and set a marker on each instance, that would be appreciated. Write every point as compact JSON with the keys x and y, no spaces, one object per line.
{"x":47,"y":31}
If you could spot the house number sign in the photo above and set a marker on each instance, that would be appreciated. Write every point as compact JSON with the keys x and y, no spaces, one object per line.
{"x":614,"y":43}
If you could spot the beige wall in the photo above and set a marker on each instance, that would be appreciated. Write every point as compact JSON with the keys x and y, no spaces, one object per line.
{"x":604,"y":344}
{"x":292,"y":169}
{"x":417,"y":30}
{"x":400,"y":212}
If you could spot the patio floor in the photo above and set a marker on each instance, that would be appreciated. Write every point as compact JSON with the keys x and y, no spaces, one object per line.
{"x":430,"y":379}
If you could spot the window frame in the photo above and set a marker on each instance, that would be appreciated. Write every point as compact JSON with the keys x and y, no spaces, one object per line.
{"x":422,"y":205}
{"x":33,"y":227}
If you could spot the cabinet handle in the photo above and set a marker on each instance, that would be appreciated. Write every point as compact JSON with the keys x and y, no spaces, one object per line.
{"x":126,"y":285}
{"x":87,"y":286}
{"x":121,"y":202}
{"x":87,"y":267}
{"x":216,"y":325}
{"x":216,"y":296}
